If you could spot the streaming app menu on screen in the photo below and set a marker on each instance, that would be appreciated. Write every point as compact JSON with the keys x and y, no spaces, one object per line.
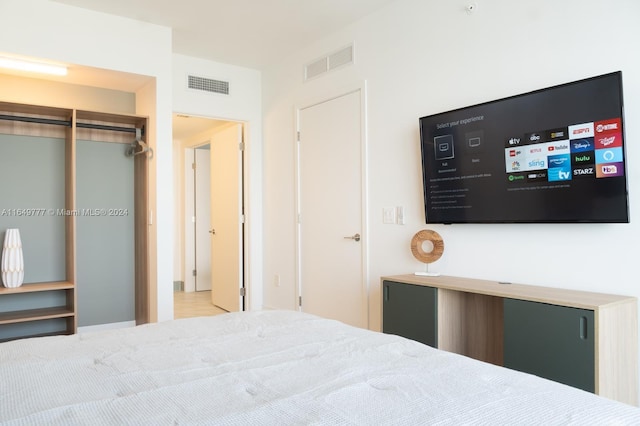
{"x":579,"y":151}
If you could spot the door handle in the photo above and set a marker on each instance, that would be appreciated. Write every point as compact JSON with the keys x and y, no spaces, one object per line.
{"x":212,"y":231}
{"x":353,"y":237}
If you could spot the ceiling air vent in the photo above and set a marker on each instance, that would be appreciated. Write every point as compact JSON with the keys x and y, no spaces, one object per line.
{"x":329,"y":62}
{"x":340,"y":58}
{"x":316,"y":68}
{"x":208,"y":85}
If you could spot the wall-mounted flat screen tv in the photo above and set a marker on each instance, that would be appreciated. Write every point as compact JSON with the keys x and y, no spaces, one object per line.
{"x":554,"y":155}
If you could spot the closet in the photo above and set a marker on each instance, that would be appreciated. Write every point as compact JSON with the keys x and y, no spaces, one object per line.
{"x":75,"y":183}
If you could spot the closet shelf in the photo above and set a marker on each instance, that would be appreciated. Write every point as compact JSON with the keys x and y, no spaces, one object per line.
{"x":35,"y":315}
{"x":35,"y":287}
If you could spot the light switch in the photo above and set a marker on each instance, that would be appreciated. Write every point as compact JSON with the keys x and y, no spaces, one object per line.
{"x":389,"y":215}
{"x":400,"y":215}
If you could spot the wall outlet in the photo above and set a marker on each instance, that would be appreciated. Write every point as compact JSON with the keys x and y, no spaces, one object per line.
{"x":276,"y":280}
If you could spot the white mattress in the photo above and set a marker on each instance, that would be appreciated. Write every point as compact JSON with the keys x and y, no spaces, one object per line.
{"x":273,"y":367}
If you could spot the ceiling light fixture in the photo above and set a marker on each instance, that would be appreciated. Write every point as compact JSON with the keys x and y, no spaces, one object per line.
{"x":30,"y":66}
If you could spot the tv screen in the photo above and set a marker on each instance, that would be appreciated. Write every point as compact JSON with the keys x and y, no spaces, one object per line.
{"x":551,"y":155}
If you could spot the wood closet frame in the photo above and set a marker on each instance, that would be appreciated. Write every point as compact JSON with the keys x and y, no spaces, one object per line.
{"x":73,"y":124}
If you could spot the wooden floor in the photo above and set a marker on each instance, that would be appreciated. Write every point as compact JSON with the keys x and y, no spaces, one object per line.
{"x":194,"y":304}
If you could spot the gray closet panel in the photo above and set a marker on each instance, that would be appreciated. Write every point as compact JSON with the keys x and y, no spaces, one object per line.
{"x":105,"y":233}
{"x":32,"y":197}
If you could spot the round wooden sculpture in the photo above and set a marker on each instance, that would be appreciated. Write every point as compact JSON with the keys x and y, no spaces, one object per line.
{"x":418,"y":241}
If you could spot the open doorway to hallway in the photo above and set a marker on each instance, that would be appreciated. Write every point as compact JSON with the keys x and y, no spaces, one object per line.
{"x":208,"y":179}
{"x":194,"y":304}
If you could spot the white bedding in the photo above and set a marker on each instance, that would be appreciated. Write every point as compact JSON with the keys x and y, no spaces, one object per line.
{"x":273,"y":367}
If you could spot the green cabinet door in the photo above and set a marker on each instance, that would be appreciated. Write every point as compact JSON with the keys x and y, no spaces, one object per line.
{"x":410,"y":311}
{"x":554,"y":342}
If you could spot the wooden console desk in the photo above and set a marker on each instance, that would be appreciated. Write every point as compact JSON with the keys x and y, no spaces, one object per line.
{"x":587,"y":340}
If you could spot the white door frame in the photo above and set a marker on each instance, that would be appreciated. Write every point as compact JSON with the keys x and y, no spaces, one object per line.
{"x":187,"y":225}
{"x":362,"y":89}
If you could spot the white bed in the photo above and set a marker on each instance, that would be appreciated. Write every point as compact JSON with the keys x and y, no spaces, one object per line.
{"x":273,"y":367}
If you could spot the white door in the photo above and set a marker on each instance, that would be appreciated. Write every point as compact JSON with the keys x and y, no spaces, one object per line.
{"x":226,"y":218}
{"x":330,"y":197}
{"x":202,"y":203}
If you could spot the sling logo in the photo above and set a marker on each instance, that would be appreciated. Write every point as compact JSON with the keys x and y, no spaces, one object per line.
{"x":536,"y":164}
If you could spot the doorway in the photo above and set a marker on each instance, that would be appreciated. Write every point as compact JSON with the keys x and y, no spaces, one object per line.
{"x":205,"y":244}
{"x":331,"y":166}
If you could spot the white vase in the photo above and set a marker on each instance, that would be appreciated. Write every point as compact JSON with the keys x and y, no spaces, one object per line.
{"x":12,"y":260}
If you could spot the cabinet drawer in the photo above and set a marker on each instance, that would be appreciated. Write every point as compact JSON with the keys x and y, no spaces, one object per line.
{"x":555,"y":342}
{"x":410,"y":311}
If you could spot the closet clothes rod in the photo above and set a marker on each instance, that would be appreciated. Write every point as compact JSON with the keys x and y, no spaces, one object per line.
{"x":67,"y":123}
{"x":36,"y":120}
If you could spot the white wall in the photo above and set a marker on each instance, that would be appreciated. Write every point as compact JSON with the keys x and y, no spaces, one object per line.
{"x":73,"y":96}
{"x":48,"y":30}
{"x":244,"y":103}
{"x":420,"y":58}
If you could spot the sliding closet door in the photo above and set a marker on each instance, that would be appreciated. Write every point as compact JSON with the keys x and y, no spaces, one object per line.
{"x":105,"y":234}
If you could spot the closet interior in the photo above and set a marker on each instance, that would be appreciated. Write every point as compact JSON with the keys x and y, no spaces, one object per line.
{"x":76,"y":185}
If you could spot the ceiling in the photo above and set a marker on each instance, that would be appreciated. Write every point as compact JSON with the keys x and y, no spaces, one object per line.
{"x":248,"y":33}
{"x":185,"y":126}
